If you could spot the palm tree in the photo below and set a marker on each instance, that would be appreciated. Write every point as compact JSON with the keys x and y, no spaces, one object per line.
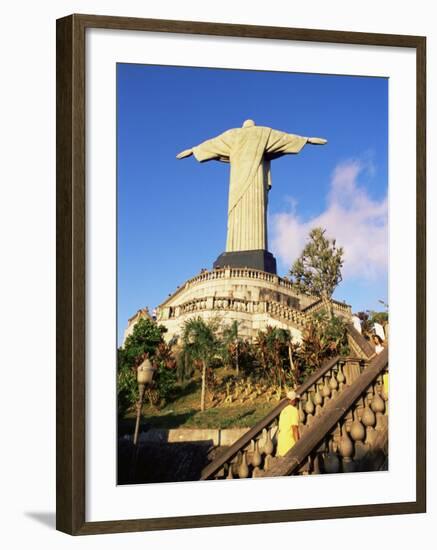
{"x":200,"y":343}
{"x":231,"y":344}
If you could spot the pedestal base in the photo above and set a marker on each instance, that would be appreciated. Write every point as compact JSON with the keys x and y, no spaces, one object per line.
{"x":253,"y":259}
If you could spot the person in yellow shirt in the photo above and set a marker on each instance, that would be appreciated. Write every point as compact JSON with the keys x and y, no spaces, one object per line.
{"x":385,"y":383}
{"x":288,"y":430}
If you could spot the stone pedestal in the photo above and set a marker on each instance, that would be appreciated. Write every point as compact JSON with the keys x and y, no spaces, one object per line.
{"x":255,"y":298}
{"x":252,"y":259}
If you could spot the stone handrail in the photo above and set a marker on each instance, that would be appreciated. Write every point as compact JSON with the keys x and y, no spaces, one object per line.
{"x":256,"y":430}
{"x":317,"y":306}
{"x":348,"y":443}
{"x":358,"y":343}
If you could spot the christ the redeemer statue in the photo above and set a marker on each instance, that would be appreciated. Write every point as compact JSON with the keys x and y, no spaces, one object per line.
{"x":249,"y":151}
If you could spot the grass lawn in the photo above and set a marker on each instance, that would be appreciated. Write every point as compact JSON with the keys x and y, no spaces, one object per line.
{"x":183,"y":411}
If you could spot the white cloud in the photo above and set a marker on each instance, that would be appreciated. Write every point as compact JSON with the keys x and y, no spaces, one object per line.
{"x":358,"y":223}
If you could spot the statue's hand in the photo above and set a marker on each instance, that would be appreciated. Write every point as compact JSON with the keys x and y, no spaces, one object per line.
{"x":317,"y":141}
{"x":183,"y":154}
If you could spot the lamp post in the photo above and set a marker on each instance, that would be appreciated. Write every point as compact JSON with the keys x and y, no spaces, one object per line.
{"x":145,"y":374}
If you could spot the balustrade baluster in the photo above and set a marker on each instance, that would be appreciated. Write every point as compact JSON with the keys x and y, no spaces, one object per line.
{"x":361,"y":450}
{"x":309,"y":405}
{"x":333,"y":384}
{"x":348,"y":419}
{"x":268,"y":462}
{"x":326,"y":391}
{"x":368,"y":416}
{"x":256,"y":458}
{"x":243,"y":470}
{"x":347,"y":450}
{"x":235,"y":464}
{"x":268,"y":444}
{"x":378,"y":407}
{"x":340,"y":378}
{"x":370,"y":435}
{"x":318,"y":399}
{"x":331,"y":462}
{"x":357,"y":429}
{"x":315,"y":464}
{"x":302,"y":415}
{"x":336,"y":436}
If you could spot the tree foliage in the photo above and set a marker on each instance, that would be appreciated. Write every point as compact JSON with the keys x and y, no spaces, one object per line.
{"x":323,"y":337}
{"x":146,"y":340}
{"x":318,"y":269}
{"x":273,"y":350}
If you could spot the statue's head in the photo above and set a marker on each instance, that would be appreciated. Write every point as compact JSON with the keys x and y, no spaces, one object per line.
{"x":248,"y":123}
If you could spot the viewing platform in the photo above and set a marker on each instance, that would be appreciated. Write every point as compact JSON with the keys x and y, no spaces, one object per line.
{"x":252,"y":297}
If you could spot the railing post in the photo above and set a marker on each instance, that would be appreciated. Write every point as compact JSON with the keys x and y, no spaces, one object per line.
{"x":351,"y":369}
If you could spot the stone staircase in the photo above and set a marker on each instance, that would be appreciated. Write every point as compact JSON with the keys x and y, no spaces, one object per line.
{"x":343,"y":417}
{"x":343,"y":424}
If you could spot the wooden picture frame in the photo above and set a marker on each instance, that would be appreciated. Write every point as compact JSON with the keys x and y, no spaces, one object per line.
{"x":71,"y":278}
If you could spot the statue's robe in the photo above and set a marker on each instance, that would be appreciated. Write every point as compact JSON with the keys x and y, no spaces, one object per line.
{"x":249,"y":152}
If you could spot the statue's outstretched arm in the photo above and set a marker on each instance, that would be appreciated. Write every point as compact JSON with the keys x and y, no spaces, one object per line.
{"x":183,"y":154}
{"x":317,"y":141}
{"x":218,"y":148}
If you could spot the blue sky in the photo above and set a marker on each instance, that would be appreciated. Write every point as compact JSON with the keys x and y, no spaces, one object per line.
{"x":172,"y":213}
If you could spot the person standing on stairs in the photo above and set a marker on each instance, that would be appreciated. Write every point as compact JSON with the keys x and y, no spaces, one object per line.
{"x":288,"y":432}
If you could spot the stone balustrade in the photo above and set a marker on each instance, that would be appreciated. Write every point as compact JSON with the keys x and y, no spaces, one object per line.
{"x":351,"y":434}
{"x":285,"y":313}
{"x":277,"y":310}
{"x":343,"y":421}
{"x":358,"y":440}
{"x":233,"y":273}
{"x":221,"y":304}
{"x":341,"y":306}
{"x":263,"y":430}
{"x":337,"y":306}
{"x":254,"y":274}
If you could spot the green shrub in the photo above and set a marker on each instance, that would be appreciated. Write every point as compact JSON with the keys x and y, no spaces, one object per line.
{"x":146,"y":338}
